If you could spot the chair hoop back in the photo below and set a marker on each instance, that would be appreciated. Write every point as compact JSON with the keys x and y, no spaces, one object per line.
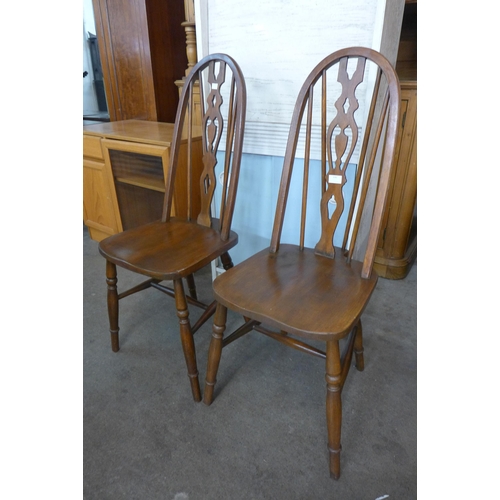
{"x":355,"y":114}
{"x":219,"y":117}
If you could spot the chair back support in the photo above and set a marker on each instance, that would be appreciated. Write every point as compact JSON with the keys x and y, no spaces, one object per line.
{"x":329,"y":108}
{"x":219,"y":83}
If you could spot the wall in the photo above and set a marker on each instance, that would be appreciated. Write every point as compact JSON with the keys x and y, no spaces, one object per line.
{"x":89,"y":98}
{"x":277,"y":44}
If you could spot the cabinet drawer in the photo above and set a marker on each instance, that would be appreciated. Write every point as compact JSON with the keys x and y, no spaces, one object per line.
{"x":92,"y":147}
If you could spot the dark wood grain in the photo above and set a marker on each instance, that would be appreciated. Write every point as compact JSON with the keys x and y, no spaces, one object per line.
{"x":144,"y":249}
{"x":289,"y":288}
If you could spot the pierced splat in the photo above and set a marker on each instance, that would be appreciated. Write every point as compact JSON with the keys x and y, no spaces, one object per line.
{"x":212,"y":126}
{"x":340,"y":155}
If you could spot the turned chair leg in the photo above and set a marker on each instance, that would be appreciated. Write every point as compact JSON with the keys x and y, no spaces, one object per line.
{"x":214,"y":353}
{"x":111,"y":281}
{"x":191,"y":286}
{"x":333,"y":405}
{"x":187,"y":339}
{"x":358,"y":347}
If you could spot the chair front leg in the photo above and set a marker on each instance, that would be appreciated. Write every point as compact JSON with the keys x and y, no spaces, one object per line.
{"x":333,"y":405}
{"x":111,"y":281}
{"x":187,"y":339}
{"x":214,"y":353}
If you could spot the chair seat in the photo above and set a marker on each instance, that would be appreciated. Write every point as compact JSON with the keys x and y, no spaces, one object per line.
{"x":157,"y":250}
{"x":297,"y":291}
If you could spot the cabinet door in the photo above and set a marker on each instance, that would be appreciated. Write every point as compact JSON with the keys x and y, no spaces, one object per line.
{"x":405,"y":185}
{"x":98,"y":209}
{"x":397,"y":243}
{"x":136,"y":173}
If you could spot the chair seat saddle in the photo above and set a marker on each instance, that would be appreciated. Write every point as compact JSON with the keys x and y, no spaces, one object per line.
{"x":157,"y":250}
{"x":295,"y":285}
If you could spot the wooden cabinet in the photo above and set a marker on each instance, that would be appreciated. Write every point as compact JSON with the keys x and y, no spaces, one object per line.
{"x":125,"y":164}
{"x":397,"y":246}
{"x":142,"y":46}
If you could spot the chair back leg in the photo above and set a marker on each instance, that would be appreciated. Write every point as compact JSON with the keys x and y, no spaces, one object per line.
{"x":227,"y":262}
{"x":191,"y":286}
{"x":112,"y":280}
{"x":358,"y":348}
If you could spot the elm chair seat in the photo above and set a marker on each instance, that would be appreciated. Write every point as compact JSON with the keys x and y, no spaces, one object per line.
{"x":294,"y":285}
{"x":159,"y":249}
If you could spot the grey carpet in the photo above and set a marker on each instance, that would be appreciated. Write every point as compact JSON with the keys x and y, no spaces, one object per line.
{"x":264,"y":437}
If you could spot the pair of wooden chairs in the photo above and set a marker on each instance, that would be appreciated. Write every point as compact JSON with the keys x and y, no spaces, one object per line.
{"x":290,"y":292}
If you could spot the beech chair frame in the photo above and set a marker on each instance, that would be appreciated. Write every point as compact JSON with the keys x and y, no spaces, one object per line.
{"x":174,"y":248}
{"x":291,"y":290}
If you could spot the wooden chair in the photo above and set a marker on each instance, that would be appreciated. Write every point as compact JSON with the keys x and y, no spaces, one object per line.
{"x":292,"y":292}
{"x":174,"y":248}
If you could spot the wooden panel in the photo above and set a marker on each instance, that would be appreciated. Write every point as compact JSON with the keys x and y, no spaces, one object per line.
{"x":167,"y":41}
{"x":92,"y":147}
{"x":142,"y":50}
{"x":144,"y":132}
{"x":133,"y":147}
{"x":405,"y":184}
{"x":125,"y":55}
{"x":397,"y":245}
{"x":98,"y":209}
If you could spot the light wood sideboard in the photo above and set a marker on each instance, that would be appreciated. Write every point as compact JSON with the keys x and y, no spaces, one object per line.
{"x":124,"y":170}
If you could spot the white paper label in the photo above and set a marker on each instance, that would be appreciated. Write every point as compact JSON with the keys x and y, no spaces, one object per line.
{"x":334,"y":179}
